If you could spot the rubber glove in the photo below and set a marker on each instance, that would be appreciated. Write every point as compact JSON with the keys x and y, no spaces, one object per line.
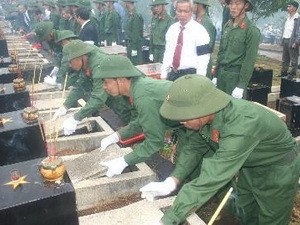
{"x":61,"y":111}
{"x":238,"y":93}
{"x":111,"y":139}
{"x":133,"y":52}
{"x":156,"y":189}
{"x":54,"y":71}
{"x":151,"y":57}
{"x":214,"y":81}
{"x":69,"y":125}
{"x":115,"y":166}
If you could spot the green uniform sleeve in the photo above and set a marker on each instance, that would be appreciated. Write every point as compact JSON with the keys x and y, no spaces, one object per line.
{"x":63,"y":69}
{"x":252,"y":42}
{"x":131,"y":129}
{"x":135,"y":29}
{"x":154,"y":130}
{"x":82,"y":85}
{"x":96,"y":101}
{"x":190,"y":150}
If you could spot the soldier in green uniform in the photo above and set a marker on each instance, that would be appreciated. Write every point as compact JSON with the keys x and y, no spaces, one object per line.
{"x":100,"y":15}
{"x":73,"y":6}
{"x":88,"y":59}
{"x":251,"y":144}
{"x":202,"y":17}
{"x":112,"y":23}
{"x":63,"y":22}
{"x":238,"y":50}
{"x":133,"y":33}
{"x":147,"y":94}
{"x":161,"y":21}
{"x":45,"y":32}
{"x":62,"y":38}
{"x":54,"y":15}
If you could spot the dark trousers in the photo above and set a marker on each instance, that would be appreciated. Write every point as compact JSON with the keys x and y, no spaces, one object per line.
{"x":289,"y":56}
{"x":175,"y":74}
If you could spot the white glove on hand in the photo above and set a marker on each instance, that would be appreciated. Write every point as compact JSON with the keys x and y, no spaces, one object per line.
{"x":61,"y":111}
{"x":113,"y":43}
{"x":133,"y":52}
{"x":54,"y":71}
{"x":237,"y":93}
{"x":70,"y":125}
{"x":156,"y":189}
{"x":89,"y":42}
{"x":111,"y":139}
{"x":50,"y":80}
{"x":115,"y":166}
{"x":214,"y":81}
{"x":151,"y":57}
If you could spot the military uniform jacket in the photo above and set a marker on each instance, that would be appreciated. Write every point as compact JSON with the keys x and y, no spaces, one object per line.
{"x":238,"y":49}
{"x":159,"y":27}
{"x":89,"y":81}
{"x":134,"y":29}
{"x":55,"y":19}
{"x":112,"y":26}
{"x":148,"y":95}
{"x":100,"y":17}
{"x":243,"y":135}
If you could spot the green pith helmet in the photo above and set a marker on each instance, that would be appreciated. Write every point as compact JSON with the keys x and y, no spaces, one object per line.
{"x":61,"y":3}
{"x":64,"y":34}
{"x":158,"y":2}
{"x":84,"y":4}
{"x":110,"y":0}
{"x":76,"y":49}
{"x":43,"y":29}
{"x":249,"y":1}
{"x":203,"y":2}
{"x":116,"y":66}
{"x":50,"y":3}
{"x":129,"y":1}
{"x":99,"y":1}
{"x":71,"y":3}
{"x":193,"y":96}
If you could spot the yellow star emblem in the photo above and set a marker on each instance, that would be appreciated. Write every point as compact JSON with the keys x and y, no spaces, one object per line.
{"x":4,"y":121}
{"x":16,"y":183}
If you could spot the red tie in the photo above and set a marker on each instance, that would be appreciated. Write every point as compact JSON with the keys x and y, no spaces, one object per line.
{"x":177,"y":53}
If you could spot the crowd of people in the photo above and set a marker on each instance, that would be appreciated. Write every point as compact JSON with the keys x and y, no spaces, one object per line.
{"x":222,"y":139}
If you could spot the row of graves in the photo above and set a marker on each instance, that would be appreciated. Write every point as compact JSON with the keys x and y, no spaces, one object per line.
{"x":49,"y":178}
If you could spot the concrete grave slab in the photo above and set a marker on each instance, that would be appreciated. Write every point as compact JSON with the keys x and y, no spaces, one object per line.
{"x":142,"y":213}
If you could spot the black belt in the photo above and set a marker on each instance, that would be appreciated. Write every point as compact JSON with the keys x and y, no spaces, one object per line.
{"x":185,"y":71}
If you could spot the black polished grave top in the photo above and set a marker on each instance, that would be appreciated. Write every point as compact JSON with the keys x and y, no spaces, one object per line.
{"x":17,"y":121}
{"x":12,"y":101}
{"x":37,"y":202}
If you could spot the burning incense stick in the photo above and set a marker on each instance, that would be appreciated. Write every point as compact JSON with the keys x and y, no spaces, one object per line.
{"x":65,"y":85}
{"x":27,"y":59}
{"x":40,"y":75}
{"x":32,"y":85}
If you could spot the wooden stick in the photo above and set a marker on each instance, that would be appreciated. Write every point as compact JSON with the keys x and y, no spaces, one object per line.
{"x":40,"y":75}
{"x":224,"y":200}
{"x":32,"y":85}
{"x":65,"y":85}
{"x":27,"y":59}
{"x":42,"y":131}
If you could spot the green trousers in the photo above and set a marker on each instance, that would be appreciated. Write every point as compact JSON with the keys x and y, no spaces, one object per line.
{"x":265,"y":195}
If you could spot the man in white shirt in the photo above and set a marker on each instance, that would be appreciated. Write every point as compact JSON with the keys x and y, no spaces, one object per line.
{"x":194,"y":49}
{"x":290,"y":41}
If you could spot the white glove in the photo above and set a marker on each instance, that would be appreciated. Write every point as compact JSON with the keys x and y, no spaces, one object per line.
{"x":102,"y":43}
{"x":50,"y":80}
{"x":61,"y":111}
{"x":113,"y":44}
{"x":133,"y":52}
{"x":89,"y":42}
{"x":214,"y":81}
{"x":69,"y":125}
{"x":111,"y":139}
{"x":238,"y":93}
{"x":115,"y":166}
{"x":54,"y":71}
{"x":156,"y":189}
{"x":151,"y":57}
